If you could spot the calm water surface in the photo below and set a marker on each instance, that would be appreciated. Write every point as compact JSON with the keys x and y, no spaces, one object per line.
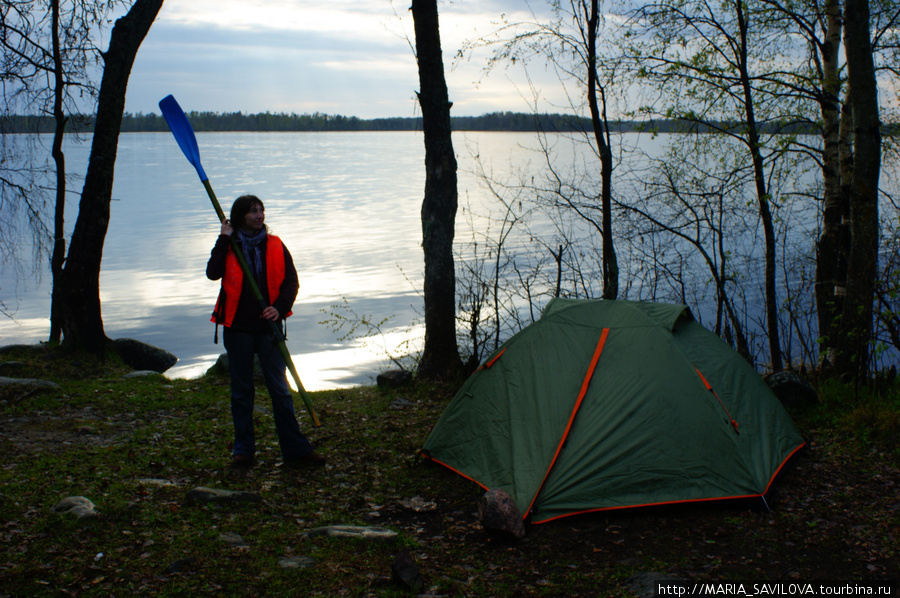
{"x":346,"y":204}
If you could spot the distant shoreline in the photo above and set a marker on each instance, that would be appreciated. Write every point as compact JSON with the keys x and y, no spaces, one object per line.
{"x":235,"y":122}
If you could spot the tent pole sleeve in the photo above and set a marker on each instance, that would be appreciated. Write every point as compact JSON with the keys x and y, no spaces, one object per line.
{"x":584,"y":388}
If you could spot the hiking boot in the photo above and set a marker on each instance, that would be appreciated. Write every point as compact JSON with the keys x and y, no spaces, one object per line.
{"x":312,"y":459}
{"x":243,"y":461}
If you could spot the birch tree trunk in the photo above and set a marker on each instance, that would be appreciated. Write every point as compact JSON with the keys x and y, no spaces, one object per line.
{"x":854,"y":357}
{"x":832,"y":249}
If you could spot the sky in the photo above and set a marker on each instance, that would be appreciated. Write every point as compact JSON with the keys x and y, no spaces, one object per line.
{"x":303,"y":56}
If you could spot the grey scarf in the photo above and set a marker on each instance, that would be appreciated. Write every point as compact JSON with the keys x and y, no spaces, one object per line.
{"x":251,"y":246}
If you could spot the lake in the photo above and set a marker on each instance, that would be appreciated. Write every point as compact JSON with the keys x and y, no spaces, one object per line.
{"x":346,"y":204}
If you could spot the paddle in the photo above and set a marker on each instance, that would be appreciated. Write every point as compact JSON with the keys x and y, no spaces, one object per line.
{"x":187,"y":141}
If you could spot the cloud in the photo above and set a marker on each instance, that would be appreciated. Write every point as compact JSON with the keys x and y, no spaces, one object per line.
{"x":340,"y":57}
{"x":335,"y":16}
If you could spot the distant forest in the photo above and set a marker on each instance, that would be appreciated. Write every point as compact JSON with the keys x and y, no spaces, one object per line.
{"x":273,"y":122}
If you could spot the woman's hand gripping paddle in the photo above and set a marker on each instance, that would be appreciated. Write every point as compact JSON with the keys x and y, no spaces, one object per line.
{"x":187,"y":141}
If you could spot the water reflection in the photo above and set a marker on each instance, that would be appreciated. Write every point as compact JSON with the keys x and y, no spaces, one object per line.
{"x":346,"y":205}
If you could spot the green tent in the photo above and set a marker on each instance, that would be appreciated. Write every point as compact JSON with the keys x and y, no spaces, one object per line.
{"x":611,"y":404}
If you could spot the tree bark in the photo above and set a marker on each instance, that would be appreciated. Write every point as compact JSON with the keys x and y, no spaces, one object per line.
{"x":832,"y":249}
{"x":440,"y":356}
{"x":762,"y":194}
{"x":853,"y":358}
{"x":600,"y":126}
{"x":82,"y":323}
{"x":58,"y":256}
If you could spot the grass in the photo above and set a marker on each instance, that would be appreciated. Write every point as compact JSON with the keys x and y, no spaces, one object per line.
{"x":871,"y":417}
{"x":106,"y":437}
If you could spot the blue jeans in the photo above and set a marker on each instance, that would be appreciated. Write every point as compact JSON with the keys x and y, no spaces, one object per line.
{"x":241,"y":346}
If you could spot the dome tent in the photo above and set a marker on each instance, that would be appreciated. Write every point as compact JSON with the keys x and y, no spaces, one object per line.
{"x":612,"y":404}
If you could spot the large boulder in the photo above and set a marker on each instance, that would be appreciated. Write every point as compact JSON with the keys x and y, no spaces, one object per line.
{"x":393,"y":379}
{"x":222,"y":368}
{"x":792,"y":389}
{"x":142,"y":356}
{"x":29,"y":384}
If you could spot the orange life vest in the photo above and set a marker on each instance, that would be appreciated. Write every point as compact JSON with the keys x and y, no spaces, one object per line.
{"x":233,"y":281}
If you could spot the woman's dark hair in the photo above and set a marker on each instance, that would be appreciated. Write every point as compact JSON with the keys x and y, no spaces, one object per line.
{"x":241,"y":206}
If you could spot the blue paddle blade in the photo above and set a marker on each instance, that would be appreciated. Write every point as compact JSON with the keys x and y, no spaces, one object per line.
{"x":183,"y":132}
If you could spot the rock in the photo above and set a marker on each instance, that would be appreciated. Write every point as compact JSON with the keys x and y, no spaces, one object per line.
{"x":393,"y":379}
{"x":28,"y":383}
{"x":158,"y":482}
{"x":418,"y":504}
{"x":142,"y":356}
{"x":22,"y":347}
{"x":78,"y":507}
{"x":213,"y":495}
{"x":353,"y":531}
{"x":181,"y":565}
{"x":499,"y":515}
{"x":405,"y":572}
{"x":792,"y":389}
{"x":140,"y":374}
{"x":235,"y":540}
{"x":221,"y":367}
{"x":296,"y":562}
{"x":11,"y":367}
{"x":10,"y":348}
{"x":400,"y":403}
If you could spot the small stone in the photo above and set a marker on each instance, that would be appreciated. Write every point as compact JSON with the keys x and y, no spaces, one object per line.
{"x":353,"y":531}
{"x":155,"y":482}
{"x":140,"y":374}
{"x":213,"y":495}
{"x":78,"y":507}
{"x":401,"y":403}
{"x":418,"y":504}
{"x":405,"y":572}
{"x":234,"y":539}
{"x":181,"y":565}
{"x":296,"y":562}
{"x":499,"y":515}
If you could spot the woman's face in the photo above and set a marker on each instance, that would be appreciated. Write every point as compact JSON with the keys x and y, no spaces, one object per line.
{"x":255,"y":218}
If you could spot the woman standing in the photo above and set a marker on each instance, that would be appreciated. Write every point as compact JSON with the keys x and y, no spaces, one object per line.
{"x":248,"y":329}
